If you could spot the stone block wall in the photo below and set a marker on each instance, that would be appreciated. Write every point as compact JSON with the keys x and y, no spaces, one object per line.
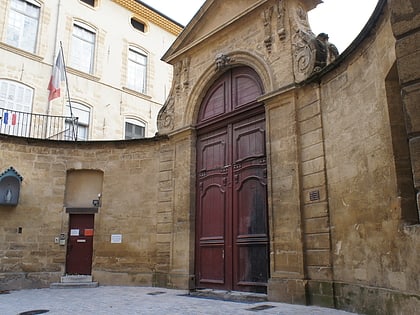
{"x":134,"y":186}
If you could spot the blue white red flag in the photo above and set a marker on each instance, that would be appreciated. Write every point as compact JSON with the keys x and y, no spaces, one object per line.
{"x":57,"y":77}
{"x":6,"y":118}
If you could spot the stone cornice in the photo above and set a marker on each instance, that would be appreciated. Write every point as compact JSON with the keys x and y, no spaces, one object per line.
{"x":177,"y":49}
{"x":151,"y":15}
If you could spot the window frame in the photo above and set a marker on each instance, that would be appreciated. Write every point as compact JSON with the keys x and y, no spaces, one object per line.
{"x":133,"y":85}
{"x":82,"y":124}
{"x":76,"y":52}
{"x":135,"y":122}
{"x":95,"y":3}
{"x":21,"y":122}
{"x":24,"y":17}
{"x":137,"y":20}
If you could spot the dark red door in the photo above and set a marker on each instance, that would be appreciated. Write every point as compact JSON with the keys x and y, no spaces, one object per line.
{"x":80,"y":244}
{"x":232,"y":231}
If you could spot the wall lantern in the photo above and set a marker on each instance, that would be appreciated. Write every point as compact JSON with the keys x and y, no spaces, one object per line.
{"x":10,"y":187}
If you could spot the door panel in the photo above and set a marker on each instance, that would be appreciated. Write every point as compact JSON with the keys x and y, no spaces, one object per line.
{"x":212,"y":209}
{"x":80,"y":244}
{"x":252,"y":268}
{"x":249,"y":138}
{"x":250,"y":228}
{"x":245,"y":89}
{"x":217,"y":103}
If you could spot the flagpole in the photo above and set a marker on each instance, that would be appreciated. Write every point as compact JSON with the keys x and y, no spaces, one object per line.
{"x":68,"y":91}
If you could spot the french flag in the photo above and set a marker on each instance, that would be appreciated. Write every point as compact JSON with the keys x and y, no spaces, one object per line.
{"x":57,"y":77}
{"x":6,"y":118}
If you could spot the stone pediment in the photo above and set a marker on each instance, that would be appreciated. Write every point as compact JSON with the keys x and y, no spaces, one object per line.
{"x":213,"y":16}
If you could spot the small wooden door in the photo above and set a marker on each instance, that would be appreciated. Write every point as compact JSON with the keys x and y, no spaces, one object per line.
{"x":80,"y":244}
{"x":231,"y":219}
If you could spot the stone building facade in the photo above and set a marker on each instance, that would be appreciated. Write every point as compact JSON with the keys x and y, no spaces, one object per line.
{"x":265,"y":176}
{"x":116,"y":80}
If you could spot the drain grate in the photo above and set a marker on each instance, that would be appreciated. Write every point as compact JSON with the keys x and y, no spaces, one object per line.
{"x":34,"y":312}
{"x":260,"y":308}
{"x":156,"y":293}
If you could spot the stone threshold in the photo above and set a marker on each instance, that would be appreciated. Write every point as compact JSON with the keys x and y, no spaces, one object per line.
{"x":75,"y":281}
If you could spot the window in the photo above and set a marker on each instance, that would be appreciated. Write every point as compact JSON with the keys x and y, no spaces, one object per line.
{"x":134,"y":129}
{"x":79,"y":131}
{"x":136,"y":70}
{"x":22,"y":27}
{"x":15,"y":101}
{"x":138,"y":25}
{"x":92,"y":3}
{"x":83,"y":48}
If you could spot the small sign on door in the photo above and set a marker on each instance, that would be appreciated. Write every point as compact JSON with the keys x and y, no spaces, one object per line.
{"x":88,"y":232}
{"x":74,"y":232}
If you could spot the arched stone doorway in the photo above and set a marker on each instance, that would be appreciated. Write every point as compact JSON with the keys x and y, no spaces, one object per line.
{"x":232,"y":244}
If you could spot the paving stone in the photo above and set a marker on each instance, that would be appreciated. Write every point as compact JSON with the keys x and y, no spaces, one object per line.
{"x":116,"y":300}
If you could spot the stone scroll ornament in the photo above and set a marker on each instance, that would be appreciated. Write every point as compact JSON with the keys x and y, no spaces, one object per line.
{"x":165,"y":119}
{"x":310,"y":53}
{"x":304,"y":50}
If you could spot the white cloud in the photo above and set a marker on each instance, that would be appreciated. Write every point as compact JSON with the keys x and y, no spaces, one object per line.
{"x":342,"y":20}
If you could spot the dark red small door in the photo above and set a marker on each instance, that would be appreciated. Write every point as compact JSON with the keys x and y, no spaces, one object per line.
{"x":80,"y":244}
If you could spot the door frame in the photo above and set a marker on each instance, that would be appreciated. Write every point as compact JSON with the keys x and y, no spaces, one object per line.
{"x":80,"y":211}
{"x":236,"y":116}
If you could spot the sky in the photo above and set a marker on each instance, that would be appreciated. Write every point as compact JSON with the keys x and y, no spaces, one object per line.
{"x":342,"y":20}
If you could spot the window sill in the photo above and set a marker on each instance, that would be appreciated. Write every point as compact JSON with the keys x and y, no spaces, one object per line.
{"x":135,"y":93}
{"x":21,"y":52}
{"x":82,"y":74}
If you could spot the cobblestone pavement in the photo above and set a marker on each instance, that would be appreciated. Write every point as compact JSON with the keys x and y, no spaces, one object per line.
{"x":111,"y":300}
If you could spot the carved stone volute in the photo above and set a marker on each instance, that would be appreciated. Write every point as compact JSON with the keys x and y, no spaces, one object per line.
{"x":165,"y":119}
{"x":310,"y":53}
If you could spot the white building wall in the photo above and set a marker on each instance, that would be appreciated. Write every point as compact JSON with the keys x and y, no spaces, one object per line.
{"x":104,"y":91}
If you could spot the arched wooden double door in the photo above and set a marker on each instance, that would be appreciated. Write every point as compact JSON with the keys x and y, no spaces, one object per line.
{"x":231,"y":220}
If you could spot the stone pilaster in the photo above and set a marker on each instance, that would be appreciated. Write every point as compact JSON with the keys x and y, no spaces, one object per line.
{"x":405,"y":21}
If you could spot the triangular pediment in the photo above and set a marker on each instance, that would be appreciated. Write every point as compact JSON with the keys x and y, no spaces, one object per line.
{"x":213,"y":16}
